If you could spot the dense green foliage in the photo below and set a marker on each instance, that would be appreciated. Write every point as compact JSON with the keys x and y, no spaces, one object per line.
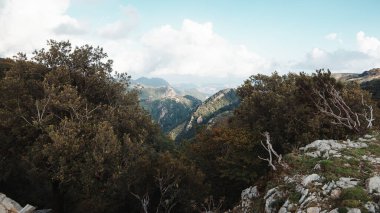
{"x":74,"y":140}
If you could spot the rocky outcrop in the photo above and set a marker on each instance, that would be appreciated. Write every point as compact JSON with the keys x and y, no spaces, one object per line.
{"x":7,"y":205}
{"x":326,"y":176}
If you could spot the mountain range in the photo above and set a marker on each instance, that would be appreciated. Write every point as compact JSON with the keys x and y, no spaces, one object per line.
{"x":180,"y":112}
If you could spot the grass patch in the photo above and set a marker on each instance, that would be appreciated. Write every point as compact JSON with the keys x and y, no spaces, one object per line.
{"x":355,"y":193}
{"x":374,"y":149}
{"x":356,"y":153}
{"x":301,"y":164}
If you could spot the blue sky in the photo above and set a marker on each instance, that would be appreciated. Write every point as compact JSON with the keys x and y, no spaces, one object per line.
{"x":204,"y":41}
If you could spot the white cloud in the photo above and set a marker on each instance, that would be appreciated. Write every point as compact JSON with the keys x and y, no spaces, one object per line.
{"x":70,"y":26}
{"x":333,"y":37}
{"x":368,"y":45}
{"x":367,"y":56}
{"x":122,"y":27}
{"x":193,"y":50}
{"x":26,"y":25}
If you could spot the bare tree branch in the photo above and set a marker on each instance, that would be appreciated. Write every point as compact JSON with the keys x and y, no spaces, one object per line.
{"x":271,"y":152}
{"x":332,"y":104}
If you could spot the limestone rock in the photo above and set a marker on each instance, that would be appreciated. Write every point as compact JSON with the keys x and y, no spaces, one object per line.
{"x":373,"y":185}
{"x":11,"y":205}
{"x":271,"y":197}
{"x":345,"y":182}
{"x":313,"y":210}
{"x":246,"y":197}
{"x":311,"y":178}
{"x":371,"y":207}
{"x":354,"y":210}
{"x":335,"y":193}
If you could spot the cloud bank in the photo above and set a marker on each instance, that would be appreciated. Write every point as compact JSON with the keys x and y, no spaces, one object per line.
{"x":191,"y":53}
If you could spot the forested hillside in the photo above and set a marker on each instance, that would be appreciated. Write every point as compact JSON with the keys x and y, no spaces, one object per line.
{"x":74,"y":137}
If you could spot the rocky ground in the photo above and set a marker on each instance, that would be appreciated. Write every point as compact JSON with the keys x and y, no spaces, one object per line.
{"x":326,"y":176}
{"x":7,"y":205}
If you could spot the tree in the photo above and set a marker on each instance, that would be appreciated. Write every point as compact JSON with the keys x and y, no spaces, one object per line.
{"x":75,"y":139}
{"x":289,"y":108}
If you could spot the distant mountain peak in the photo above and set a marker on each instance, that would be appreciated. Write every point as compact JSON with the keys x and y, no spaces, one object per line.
{"x":151,"y":82}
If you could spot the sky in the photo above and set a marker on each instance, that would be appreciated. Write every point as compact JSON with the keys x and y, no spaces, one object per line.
{"x":203,"y":41}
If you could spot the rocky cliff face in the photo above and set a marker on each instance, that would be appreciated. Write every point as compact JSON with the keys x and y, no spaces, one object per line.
{"x":368,"y":80}
{"x":326,"y":176}
{"x":171,"y":111}
{"x":216,"y":108}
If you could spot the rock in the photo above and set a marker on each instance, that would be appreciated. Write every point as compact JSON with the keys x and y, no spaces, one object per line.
{"x":270,"y":192}
{"x":10,"y":205}
{"x":250,"y":193}
{"x":334,"y":211}
{"x":313,"y":154}
{"x":247,"y":196}
{"x":373,"y":184}
{"x":371,"y":207}
{"x":309,"y":179}
{"x":317,"y":167}
{"x":2,"y":196}
{"x":328,"y":187}
{"x":304,"y":193}
{"x":335,"y":193}
{"x":313,"y":210}
{"x":28,"y":209}
{"x":284,"y":207}
{"x":344,"y":182}
{"x":283,"y":210}
{"x":2,"y":209}
{"x":271,"y":197}
{"x":354,"y":210}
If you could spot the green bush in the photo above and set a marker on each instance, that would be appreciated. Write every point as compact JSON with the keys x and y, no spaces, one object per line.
{"x":354,"y":195}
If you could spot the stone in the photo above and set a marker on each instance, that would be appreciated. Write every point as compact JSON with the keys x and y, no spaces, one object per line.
{"x":334,"y":211}
{"x":311,"y":178}
{"x":373,"y":184}
{"x":270,"y":192}
{"x":371,"y":207}
{"x":345,"y":182}
{"x":354,"y":210}
{"x":328,"y":187}
{"x":247,"y":196}
{"x":272,"y":196}
{"x":304,"y":193}
{"x":284,"y":207}
{"x":335,"y":193}
{"x":313,"y":154}
{"x":11,"y":205}
{"x":28,"y":209}
{"x":313,"y":210}
{"x":250,"y":193}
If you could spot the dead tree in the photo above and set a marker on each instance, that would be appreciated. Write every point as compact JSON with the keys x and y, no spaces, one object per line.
{"x":272,"y":153}
{"x":331,"y":103}
{"x":144,"y":201}
{"x":168,"y":184}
